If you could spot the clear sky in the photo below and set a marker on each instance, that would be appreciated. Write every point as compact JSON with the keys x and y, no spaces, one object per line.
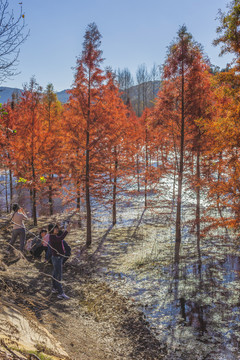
{"x":133,"y":32}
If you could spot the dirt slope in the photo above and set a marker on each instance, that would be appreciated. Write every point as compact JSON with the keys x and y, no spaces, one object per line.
{"x":96,"y":323}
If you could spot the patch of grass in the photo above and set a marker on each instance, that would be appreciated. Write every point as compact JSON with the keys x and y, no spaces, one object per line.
{"x":146,"y":262}
{"x":39,"y":354}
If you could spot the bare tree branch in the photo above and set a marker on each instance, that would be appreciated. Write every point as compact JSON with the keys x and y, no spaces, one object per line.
{"x":12,"y":36}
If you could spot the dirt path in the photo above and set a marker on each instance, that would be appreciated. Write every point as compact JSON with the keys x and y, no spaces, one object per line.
{"x":96,"y":323}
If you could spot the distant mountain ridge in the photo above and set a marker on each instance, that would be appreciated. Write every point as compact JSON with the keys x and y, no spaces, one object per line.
{"x":147,"y":91}
{"x":6,"y":94}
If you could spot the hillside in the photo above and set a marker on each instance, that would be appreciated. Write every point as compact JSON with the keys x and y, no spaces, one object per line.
{"x":6,"y":94}
{"x":134,"y":93}
{"x":96,"y":323}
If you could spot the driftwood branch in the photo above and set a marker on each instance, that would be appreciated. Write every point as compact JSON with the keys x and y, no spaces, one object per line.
{"x":11,"y":352}
{"x":33,"y":356}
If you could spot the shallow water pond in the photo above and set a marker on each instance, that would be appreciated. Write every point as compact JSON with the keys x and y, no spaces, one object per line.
{"x":194,"y":308}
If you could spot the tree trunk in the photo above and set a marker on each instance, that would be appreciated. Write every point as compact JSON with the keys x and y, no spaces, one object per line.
{"x":198,"y":203}
{"x":34,"y":206}
{"x":6,"y":191}
{"x":146,"y":168}
{"x":174,"y":191}
{"x":88,"y":202}
{"x":79,"y":202}
{"x":50,"y":197}
{"x":50,"y":200}
{"x":138,"y":176}
{"x":114,"y":209}
{"x":11,"y":189}
{"x":180,"y":177}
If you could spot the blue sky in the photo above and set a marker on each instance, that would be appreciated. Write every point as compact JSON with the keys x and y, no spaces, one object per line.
{"x":133,"y":32}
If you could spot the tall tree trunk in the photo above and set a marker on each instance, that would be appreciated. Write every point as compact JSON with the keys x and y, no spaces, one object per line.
{"x":6,"y":191}
{"x":11,"y":188}
{"x":79,"y":202}
{"x":88,"y":202}
{"x":50,"y":196}
{"x":50,"y":200}
{"x":198,"y":202}
{"x":34,"y":207}
{"x":114,"y":209}
{"x":180,"y":177}
{"x":218,"y":198}
{"x":34,"y":192}
{"x":138,"y":172}
{"x":157,"y":158}
{"x":78,"y":196}
{"x":146,"y":168}
{"x":174,"y":191}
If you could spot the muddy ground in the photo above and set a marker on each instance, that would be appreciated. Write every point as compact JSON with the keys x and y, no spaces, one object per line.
{"x":95,"y":323}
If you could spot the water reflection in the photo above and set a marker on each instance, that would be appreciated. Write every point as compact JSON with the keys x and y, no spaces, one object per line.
{"x":194,"y":315}
{"x":231,"y":265}
{"x":194,"y":306}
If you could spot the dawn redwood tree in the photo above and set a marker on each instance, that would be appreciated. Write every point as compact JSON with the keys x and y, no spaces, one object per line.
{"x":110,"y":134}
{"x":178,"y":61}
{"x":87,"y":89}
{"x":118,"y":142}
{"x":7,"y":120}
{"x":174,"y":108}
{"x":224,"y":129}
{"x":223,"y":154}
{"x":51,"y":106}
{"x":135,"y":140}
{"x":74,"y":128}
{"x":229,"y":31}
{"x":53,"y":147}
{"x":147,"y":141}
{"x":29,"y":141}
{"x":200,"y":95}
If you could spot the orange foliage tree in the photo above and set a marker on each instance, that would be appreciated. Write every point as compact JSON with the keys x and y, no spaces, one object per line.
{"x":97,"y":114}
{"x":7,"y":136}
{"x":223,"y":157}
{"x":52,"y":149}
{"x":29,"y":142}
{"x":86,"y":91}
{"x":181,"y":102}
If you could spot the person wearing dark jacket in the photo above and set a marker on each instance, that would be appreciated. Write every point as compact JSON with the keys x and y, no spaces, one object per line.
{"x":39,"y":245}
{"x":67,"y":249}
{"x":58,"y":253}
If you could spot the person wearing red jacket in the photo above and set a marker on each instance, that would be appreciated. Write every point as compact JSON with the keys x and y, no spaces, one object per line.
{"x":57,"y":249}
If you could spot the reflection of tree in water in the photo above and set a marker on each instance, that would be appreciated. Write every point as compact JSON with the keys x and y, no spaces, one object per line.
{"x":193,"y":315}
